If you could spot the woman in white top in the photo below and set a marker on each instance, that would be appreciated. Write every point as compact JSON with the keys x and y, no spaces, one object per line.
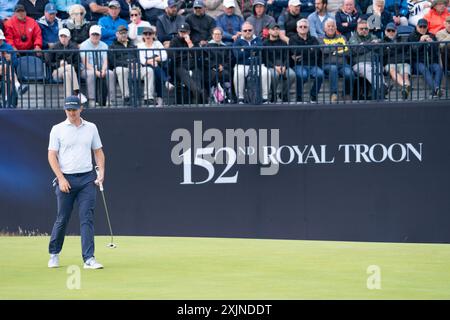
{"x":151,"y":55}
{"x":136,"y":26}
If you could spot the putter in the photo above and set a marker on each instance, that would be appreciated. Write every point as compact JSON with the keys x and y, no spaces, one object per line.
{"x":111,"y":244}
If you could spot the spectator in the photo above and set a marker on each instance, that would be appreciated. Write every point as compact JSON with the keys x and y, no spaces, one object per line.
{"x":8,"y":61}
{"x":316,"y":19}
{"x":246,"y":7}
{"x":308,"y":60}
{"x":23,"y":32}
{"x":229,"y":22}
{"x":95,"y":64}
{"x":378,"y":18}
{"x":34,"y":8}
{"x":437,"y":15}
{"x":137,"y":25}
{"x":7,"y":9}
{"x":260,"y":20}
{"x":399,"y":11}
{"x":123,"y":61}
{"x":335,"y":61}
{"x":288,"y":20}
{"x":111,"y":22}
{"x":167,"y":24}
{"x":417,"y":10}
{"x":366,"y":60}
{"x":95,"y":9}
{"x":152,"y":9}
{"x":77,"y":24}
{"x":282,"y":77}
{"x":425,"y":57}
{"x":201,"y":24}
{"x":219,"y":62}
{"x":63,"y":58}
{"x":62,"y":7}
{"x":396,"y":58}
{"x":245,"y":57}
{"x":444,"y":35}
{"x":347,"y":19}
{"x":185,"y":69}
{"x":152,"y":55}
{"x":50,"y":26}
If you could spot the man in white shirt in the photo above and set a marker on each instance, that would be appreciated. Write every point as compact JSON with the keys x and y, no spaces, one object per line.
{"x":70,"y":157}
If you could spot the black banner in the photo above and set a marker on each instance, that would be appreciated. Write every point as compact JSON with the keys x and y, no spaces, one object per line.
{"x":360,"y":173}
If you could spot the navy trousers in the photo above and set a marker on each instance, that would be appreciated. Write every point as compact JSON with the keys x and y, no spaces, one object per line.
{"x":83,"y":192}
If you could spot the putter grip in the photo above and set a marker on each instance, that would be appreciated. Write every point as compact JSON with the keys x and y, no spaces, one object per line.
{"x":100,"y":185}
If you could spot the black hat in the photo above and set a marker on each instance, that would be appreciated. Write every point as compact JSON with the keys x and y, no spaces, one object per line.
{"x":184,"y":27}
{"x":19,"y":7}
{"x":422,"y":22}
{"x":274,"y":25}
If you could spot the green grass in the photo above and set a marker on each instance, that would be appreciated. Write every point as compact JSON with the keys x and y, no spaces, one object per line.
{"x":212,"y":268}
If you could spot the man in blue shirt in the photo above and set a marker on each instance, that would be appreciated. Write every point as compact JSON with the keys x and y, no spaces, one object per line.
{"x":111,"y":22}
{"x":70,"y":157}
{"x":50,"y":26}
{"x":317,"y":19}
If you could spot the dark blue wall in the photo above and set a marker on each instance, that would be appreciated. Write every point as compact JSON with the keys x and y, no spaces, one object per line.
{"x":408,"y":201}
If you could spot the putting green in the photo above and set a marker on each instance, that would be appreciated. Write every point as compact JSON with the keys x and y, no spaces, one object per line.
{"x":216,"y":268}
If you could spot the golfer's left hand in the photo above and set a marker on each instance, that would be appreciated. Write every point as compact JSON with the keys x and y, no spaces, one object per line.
{"x":100,"y":179}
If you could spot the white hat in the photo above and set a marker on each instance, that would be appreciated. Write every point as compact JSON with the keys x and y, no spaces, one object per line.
{"x":2,"y":35}
{"x":294,"y":3}
{"x":95,"y":29}
{"x":229,"y":3}
{"x":65,"y":32}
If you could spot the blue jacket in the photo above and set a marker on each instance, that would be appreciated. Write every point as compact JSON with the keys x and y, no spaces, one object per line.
{"x":244,"y":54}
{"x":402,"y":5}
{"x":109,"y":28}
{"x":49,"y":32}
{"x":230,"y":25}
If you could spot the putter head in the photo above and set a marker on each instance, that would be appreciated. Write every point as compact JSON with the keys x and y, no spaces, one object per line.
{"x":111,"y":245}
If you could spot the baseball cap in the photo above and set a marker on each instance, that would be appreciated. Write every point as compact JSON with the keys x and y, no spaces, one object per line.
{"x":274,"y":25}
{"x":391,"y":25}
{"x":184,"y":27}
{"x":72,"y":102}
{"x":114,"y":4}
{"x":171,"y":3}
{"x":50,"y":8}
{"x":64,"y":31}
{"x":294,"y":3}
{"x":19,"y":7}
{"x":95,"y":29}
{"x":2,"y":35}
{"x":198,"y":4}
{"x":122,"y":28}
{"x":261,"y":2}
{"x":422,"y":22}
{"x":229,"y":3}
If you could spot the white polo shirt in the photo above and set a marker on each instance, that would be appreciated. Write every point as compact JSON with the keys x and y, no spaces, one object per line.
{"x":74,"y":145}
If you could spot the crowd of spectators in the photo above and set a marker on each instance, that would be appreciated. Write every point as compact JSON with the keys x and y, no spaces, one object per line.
{"x":119,"y":40}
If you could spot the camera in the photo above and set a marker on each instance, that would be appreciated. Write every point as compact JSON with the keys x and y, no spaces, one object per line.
{"x":23,"y":37}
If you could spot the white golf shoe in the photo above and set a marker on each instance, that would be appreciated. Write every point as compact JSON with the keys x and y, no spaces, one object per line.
{"x":54,"y":261}
{"x":92,"y":264}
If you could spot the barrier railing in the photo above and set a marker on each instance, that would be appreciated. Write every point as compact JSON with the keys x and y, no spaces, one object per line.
{"x":224,"y":75}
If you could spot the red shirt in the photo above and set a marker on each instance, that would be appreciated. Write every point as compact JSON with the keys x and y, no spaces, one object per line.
{"x":15,"y":29}
{"x":436,"y":21}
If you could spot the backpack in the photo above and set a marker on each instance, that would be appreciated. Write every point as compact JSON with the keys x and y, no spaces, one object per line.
{"x":252,"y":91}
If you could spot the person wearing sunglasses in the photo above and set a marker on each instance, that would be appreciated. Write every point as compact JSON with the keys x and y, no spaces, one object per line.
{"x":366,"y":62}
{"x":425,"y":58}
{"x":396,"y":60}
{"x":77,"y":24}
{"x":137,"y":25}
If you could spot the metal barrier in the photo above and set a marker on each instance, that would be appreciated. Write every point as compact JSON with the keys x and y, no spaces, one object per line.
{"x":226,"y":75}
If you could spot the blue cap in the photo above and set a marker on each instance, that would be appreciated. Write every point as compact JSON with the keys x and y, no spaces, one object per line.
{"x":50,"y":8}
{"x":171,"y":3}
{"x":422,"y":22}
{"x":198,"y":4}
{"x":72,"y":102}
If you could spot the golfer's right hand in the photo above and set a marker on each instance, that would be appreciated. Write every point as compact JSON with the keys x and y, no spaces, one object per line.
{"x":64,"y":185}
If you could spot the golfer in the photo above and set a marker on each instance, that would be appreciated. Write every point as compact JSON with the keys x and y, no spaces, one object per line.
{"x":70,"y":157}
